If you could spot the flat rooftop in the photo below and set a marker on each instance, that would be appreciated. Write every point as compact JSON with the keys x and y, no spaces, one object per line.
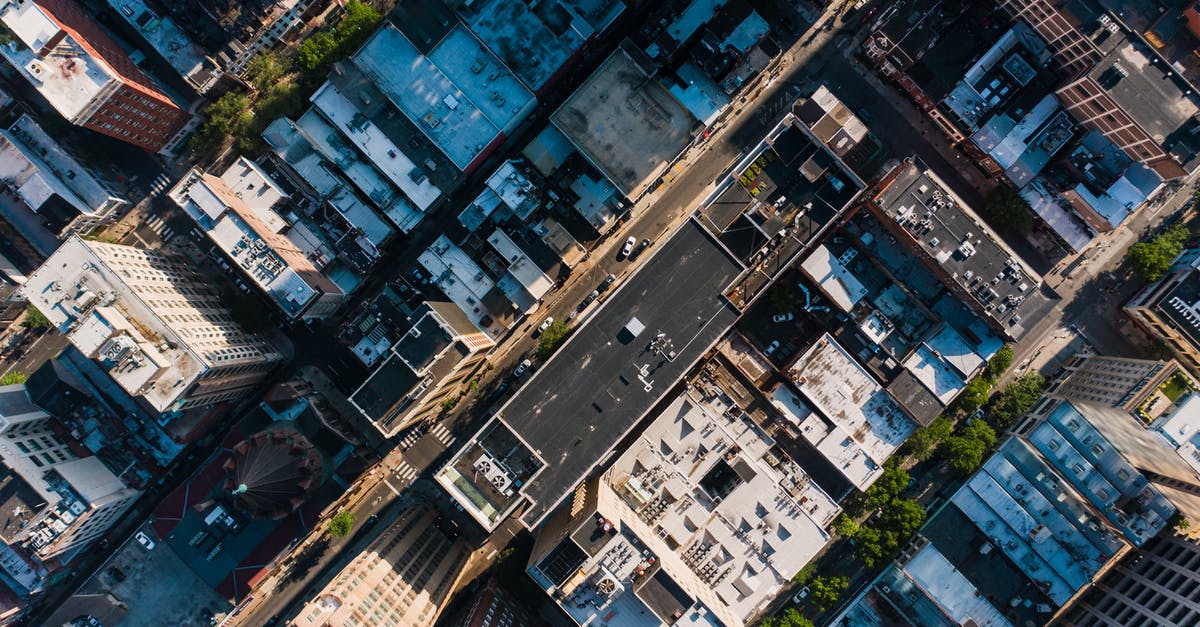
{"x":944,"y":231}
{"x":1042,"y":524}
{"x":625,"y":123}
{"x":534,"y":43}
{"x":1150,"y":92}
{"x":860,"y":425}
{"x":70,"y":76}
{"x":605,"y":378}
{"x":460,"y":96}
{"x":160,"y":31}
{"x":70,"y":179}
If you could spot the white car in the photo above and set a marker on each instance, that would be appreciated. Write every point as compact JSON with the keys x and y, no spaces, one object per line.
{"x":628,"y":247}
{"x":145,"y":541}
{"x":784,"y":317}
{"x":545,"y":324}
{"x":522,"y":368}
{"x":800,"y":596}
{"x":772,"y":347}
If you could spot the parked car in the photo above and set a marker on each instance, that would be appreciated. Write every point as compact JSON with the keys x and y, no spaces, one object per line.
{"x":522,"y":368}
{"x":145,"y":541}
{"x":639,"y":250}
{"x":800,"y":596}
{"x":116,"y":574}
{"x":545,"y":325}
{"x":772,"y":347}
{"x":589,"y":299}
{"x":627,"y":248}
{"x":784,"y":317}
{"x":607,"y":283}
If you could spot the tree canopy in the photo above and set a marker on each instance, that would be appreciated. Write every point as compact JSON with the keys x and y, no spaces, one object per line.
{"x":888,"y":486}
{"x":341,"y":524}
{"x":1015,"y":401}
{"x":1007,"y":211}
{"x":825,"y":591}
{"x":552,"y":338}
{"x":924,"y":441}
{"x":1153,"y":258}
{"x":320,"y":51}
{"x":35,"y":319}
{"x":788,"y":618}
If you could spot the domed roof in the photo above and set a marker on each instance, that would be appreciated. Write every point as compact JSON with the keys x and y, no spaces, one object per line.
{"x":272,"y":472}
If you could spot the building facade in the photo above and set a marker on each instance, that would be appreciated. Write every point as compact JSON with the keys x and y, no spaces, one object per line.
{"x":1114,"y":381}
{"x":1157,"y":586}
{"x":153,"y":322}
{"x":404,"y":578}
{"x":86,"y":76}
{"x":1169,"y":310}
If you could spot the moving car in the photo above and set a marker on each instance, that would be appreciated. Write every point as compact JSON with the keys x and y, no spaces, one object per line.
{"x":627,"y":248}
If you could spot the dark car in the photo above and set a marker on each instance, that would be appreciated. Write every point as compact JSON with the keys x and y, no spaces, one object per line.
{"x":640,"y":248}
{"x":116,"y":573}
{"x":607,"y":283}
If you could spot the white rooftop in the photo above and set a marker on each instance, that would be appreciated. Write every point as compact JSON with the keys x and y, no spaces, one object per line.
{"x":180,"y":52}
{"x":1055,"y":212}
{"x":528,"y":276}
{"x":463,"y":281}
{"x":430,"y":90}
{"x":1182,"y":429}
{"x":837,"y":282}
{"x":697,"y":13}
{"x":951,"y":347}
{"x":953,"y":592}
{"x":27,"y":152}
{"x":862,"y":425}
{"x":1038,"y":520}
{"x":934,"y":373}
{"x":101,"y":316}
{"x":512,"y":187}
{"x":702,"y":474}
{"x":384,"y":155}
{"x":70,"y":77}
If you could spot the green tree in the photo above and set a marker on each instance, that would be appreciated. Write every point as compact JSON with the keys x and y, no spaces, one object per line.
{"x":35,"y":319}
{"x":825,"y":591}
{"x":1015,"y":401}
{"x":973,"y":396}
{"x":315,"y":50}
{"x":874,"y":546}
{"x":845,"y":526}
{"x":963,"y":454}
{"x":980,"y":431}
{"x":888,"y":486}
{"x":1152,"y":259}
{"x":264,"y":69}
{"x":805,"y":574}
{"x":902,"y":517}
{"x":999,"y":363}
{"x":14,"y":378}
{"x":1179,"y":522}
{"x":449,"y":404}
{"x":320,"y":51}
{"x":225,"y":118}
{"x":788,"y":618}
{"x":341,"y":524}
{"x":552,"y":338}
{"x":924,"y":441}
{"x":1007,"y":211}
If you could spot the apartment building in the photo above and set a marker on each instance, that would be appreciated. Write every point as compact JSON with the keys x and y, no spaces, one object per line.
{"x":153,"y":322}
{"x":86,"y":76}
{"x":1121,"y":382}
{"x":1169,"y":309}
{"x":403,"y":578}
{"x":240,"y":213}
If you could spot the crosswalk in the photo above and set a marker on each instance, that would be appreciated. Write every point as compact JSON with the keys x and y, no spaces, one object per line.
{"x":443,"y":434}
{"x":160,"y":183}
{"x":404,"y":473}
{"x":161,"y":228}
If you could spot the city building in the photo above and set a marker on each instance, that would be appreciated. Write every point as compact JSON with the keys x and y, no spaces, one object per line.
{"x":1156,"y":586}
{"x":241,"y":213}
{"x":625,"y":123}
{"x":1122,"y":382}
{"x":405,"y":576}
{"x":1169,"y":310}
{"x":849,"y":418}
{"x":640,"y":340}
{"x":58,"y":195}
{"x":170,"y":43}
{"x":474,"y":291}
{"x":965,"y":255}
{"x":427,"y":365}
{"x":701,"y":521}
{"x":495,"y":606}
{"x":86,"y":76}
{"x":1181,"y":428}
{"x":233,"y":36}
{"x":153,"y":322}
